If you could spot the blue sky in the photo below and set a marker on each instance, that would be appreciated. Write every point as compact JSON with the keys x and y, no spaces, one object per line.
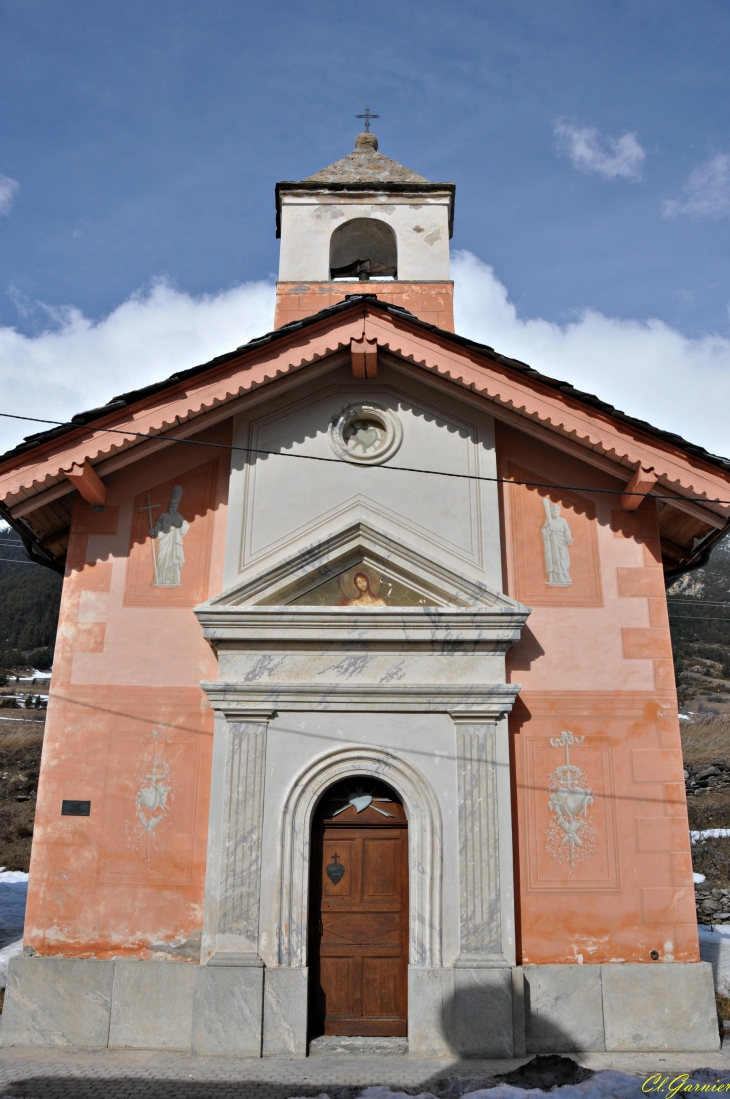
{"x":588,"y":139}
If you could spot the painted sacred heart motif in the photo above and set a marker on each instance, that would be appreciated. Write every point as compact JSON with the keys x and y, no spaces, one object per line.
{"x":335,"y":871}
{"x":571,"y":803}
{"x":361,"y":801}
{"x":571,"y":836}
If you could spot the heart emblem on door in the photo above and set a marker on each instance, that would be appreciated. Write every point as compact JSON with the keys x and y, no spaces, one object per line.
{"x":335,"y":871}
{"x":361,"y":801}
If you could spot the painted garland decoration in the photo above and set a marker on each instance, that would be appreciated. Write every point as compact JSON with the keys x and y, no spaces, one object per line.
{"x":571,"y":837}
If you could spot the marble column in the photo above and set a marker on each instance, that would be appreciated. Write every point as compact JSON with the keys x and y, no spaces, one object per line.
{"x":479,"y":900}
{"x":231,"y":930}
{"x":482,"y":975}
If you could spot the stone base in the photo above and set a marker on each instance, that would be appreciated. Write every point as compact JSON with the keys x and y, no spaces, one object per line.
{"x":620,"y":1008}
{"x":228,"y":1010}
{"x":285,"y":1012}
{"x":152,"y":1005}
{"x":244,"y":1010}
{"x":57,"y":1002}
{"x":483,"y":1012}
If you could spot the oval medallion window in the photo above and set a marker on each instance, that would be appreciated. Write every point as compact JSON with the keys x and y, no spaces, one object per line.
{"x":366,"y":433}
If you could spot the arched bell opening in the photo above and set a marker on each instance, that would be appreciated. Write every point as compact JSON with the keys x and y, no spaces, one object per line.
{"x":363,"y":248}
{"x":358,"y":911}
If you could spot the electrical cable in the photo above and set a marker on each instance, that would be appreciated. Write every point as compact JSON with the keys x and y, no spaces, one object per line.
{"x":338,"y":461}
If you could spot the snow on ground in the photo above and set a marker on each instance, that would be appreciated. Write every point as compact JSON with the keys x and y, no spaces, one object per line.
{"x":709,"y":834}
{"x":604,"y":1085}
{"x":13,"y":892}
{"x":715,"y":949}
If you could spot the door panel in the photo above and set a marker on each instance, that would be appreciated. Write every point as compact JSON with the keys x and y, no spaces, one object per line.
{"x":379,"y":868}
{"x":359,"y":925}
{"x":338,"y":983}
{"x":381,"y":988}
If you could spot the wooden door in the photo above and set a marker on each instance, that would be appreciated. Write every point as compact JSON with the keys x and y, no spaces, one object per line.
{"x":359,"y":914}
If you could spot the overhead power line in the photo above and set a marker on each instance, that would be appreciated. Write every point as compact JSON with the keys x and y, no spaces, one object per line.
{"x":338,"y":461}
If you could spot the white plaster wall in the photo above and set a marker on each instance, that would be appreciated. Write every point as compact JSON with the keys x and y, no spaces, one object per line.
{"x":426,"y":741}
{"x":420,"y":223}
{"x":278,"y":505}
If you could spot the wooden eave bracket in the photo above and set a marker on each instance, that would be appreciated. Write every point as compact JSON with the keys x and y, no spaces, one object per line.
{"x":88,"y":484}
{"x":640,"y":484}
{"x":364,"y":357}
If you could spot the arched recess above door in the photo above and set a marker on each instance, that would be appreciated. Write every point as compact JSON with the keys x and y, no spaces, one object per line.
{"x":424,"y":838}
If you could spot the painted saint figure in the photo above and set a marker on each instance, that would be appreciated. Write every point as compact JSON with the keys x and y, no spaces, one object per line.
{"x":556,"y":538}
{"x":366,"y":597}
{"x":169,"y":530}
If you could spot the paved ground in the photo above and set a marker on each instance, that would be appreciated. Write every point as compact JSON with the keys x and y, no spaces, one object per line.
{"x":119,"y":1074}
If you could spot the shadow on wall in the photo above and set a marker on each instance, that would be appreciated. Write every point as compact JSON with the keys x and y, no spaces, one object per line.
{"x":492,"y":1013}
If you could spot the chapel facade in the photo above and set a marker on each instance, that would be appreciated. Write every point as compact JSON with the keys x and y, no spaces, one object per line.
{"x":362,"y":718}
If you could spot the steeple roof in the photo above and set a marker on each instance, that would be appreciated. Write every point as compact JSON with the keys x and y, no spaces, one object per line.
{"x":366,"y":165}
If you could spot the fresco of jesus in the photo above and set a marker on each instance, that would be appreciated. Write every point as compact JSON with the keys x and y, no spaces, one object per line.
{"x":366,"y":597}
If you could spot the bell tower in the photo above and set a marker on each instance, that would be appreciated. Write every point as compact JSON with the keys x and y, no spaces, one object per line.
{"x":365,"y":220}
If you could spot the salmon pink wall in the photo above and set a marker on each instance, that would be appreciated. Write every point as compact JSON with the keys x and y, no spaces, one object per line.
{"x":430,"y":301}
{"x":595,"y":662}
{"x":128,"y":727}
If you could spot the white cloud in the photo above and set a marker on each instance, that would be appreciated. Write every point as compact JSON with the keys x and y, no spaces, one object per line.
{"x":82,"y":364}
{"x":610,"y":157}
{"x":645,"y":368}
{"x":8,"y":190}
{"x":706,"y":191}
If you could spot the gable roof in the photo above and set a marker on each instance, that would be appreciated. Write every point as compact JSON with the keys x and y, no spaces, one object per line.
{"x":32,"y":479}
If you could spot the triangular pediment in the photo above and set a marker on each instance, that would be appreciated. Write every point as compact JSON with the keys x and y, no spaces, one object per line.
{"x":361,"y":567}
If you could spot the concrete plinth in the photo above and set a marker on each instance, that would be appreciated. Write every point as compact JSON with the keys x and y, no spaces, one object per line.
{"x":430,"y":1012}
{"x":563,"y":1008}
{"x":152,"y":1005}
{"x":57,"y":1002}
{"x":285,"y":1012}
{"x":228,"y":1010}
{"x":483,"y":1012}
{"x":659,"y":1007}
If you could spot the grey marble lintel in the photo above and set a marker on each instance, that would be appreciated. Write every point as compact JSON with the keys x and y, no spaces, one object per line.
{"x":493,"y":628}
{"x":476,"y":703}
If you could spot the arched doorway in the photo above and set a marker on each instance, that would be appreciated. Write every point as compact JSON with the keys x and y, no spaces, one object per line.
{"x":358,"y":925}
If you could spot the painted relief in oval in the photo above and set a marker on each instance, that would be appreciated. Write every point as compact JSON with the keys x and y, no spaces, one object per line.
{"x":169,"y":553}
{"x":553,"y":544}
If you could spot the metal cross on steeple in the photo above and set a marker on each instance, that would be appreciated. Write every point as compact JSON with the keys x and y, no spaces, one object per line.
{"x":367,"y":116}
